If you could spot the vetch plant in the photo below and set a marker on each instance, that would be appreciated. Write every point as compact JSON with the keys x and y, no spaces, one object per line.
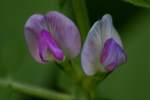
{"x":54,"y":37}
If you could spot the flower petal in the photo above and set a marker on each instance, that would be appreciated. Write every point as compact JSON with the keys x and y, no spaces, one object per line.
{"x":65,"y":32}
{"x":33,"y":27}
{"x":48,"y":44}
{"x":91,"y":50}
{"x":112,"y":55}
{"x":108,"y":30}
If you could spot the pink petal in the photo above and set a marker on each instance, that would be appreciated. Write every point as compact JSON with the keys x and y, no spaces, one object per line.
{"x":48,"y":44}
{"x":112,"y":55}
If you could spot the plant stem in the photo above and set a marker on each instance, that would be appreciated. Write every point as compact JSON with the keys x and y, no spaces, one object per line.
{"x":33,"y":90}
{"x":81,"y":16}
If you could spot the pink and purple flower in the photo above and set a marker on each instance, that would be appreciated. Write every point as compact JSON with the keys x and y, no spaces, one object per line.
{"x":52,"y":37}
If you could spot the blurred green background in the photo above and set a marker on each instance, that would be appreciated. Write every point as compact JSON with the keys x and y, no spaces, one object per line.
{"x":129,"y":82}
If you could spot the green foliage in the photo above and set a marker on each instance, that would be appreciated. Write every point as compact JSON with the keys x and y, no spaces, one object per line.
{"x":142,"y":3}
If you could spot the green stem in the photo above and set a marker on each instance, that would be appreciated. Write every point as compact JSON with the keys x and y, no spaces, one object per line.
{"x":89,"y":85}
{"x":33,"y":90}
{"x":81,"y":16}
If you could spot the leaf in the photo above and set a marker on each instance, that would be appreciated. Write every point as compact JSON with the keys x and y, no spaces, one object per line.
{"x":142,"y":3}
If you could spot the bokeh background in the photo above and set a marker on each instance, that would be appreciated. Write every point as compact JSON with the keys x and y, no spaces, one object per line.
{"x":129,"y":82}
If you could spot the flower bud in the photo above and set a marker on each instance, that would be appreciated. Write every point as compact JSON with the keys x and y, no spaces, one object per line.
{"x":103,"y":50}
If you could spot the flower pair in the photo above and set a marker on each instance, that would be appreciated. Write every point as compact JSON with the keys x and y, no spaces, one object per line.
{"x":55,"y":37}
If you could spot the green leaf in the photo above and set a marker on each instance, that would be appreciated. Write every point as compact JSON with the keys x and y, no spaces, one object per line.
{"x":81,"y":16}
{"x":142,"y":3}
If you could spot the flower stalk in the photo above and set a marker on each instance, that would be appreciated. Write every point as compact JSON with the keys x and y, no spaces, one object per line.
{"x":34,"y":90}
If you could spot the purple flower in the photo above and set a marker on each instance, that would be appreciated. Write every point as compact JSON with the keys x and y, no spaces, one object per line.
{"x":52,"y":37}
{"x":103,"y":50}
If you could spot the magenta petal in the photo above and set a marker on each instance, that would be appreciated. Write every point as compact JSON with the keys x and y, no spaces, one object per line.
{"x":112,"y":55}
{"x":48,"y":44}
{"x":65,"y":32}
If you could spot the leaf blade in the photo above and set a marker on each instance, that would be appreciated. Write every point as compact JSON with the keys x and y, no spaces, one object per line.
{"x":142,"y":3}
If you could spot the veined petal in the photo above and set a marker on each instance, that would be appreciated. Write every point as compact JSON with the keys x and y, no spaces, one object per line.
{"x":65,"y":32}
{"x":91,"y":50}
{"x":108,"y":31}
